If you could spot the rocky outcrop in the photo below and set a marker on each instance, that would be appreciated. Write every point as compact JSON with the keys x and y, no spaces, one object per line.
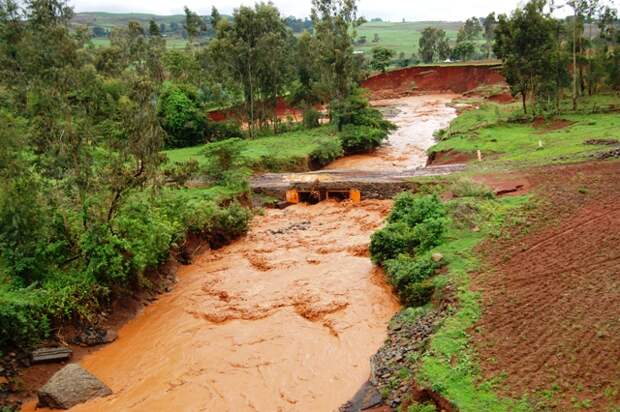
{"x":70,"y":386}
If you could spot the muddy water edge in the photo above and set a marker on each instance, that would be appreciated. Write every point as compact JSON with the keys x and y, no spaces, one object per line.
{"x":285,"y":319}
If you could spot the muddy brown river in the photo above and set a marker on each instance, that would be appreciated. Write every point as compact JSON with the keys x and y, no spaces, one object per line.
{"x":284,"y":319}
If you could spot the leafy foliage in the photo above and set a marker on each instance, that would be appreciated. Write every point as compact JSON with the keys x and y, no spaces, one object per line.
{"x":381,"y":58}
{"x":181,"y":116}
{"x":416,"y":225}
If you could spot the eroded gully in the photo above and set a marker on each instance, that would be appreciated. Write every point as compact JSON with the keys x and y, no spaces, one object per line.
{"x":284,"y":319}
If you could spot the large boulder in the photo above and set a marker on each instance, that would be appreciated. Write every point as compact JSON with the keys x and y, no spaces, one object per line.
{"x":69,"y":386}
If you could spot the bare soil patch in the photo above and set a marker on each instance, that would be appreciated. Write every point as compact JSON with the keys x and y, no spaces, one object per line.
{"x":549,"y":126}
{"x":502,"y":98}
{"x":449,"y":157}
{"x":551,"y":312}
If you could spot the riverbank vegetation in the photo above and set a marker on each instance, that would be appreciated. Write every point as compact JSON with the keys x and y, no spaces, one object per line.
{"x":432,"y":281}
{"x":90,"y":204}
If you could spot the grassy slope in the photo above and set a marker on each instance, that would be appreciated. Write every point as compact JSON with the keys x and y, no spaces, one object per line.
{"x":490,"y":130}
{"x":285,"y":152}
{"x":401,"y":37}
{"x":449,"y":366}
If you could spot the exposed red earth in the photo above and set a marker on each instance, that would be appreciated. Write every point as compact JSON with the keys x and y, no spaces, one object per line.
{"x":405,"y":82}
{"x":435,"y":79}
{"x":551,"y":292}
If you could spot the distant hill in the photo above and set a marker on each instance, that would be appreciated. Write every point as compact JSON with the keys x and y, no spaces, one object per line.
{"x":111,"y":20}
{"x":402,"y":37}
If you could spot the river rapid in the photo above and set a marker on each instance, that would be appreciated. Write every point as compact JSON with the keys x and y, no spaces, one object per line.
{"x":284,"y":319}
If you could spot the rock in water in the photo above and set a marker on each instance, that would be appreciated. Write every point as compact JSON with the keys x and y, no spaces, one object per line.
{"x":69,"y":386}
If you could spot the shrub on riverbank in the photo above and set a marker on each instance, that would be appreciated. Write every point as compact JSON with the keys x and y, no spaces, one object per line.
{"x":111,"y":258}
{"x":362,"y":127}
{"x":416,"y":225}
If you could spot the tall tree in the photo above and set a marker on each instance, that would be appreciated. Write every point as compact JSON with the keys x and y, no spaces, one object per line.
{"x":334,"y":23}
{"x":254,"y":49}
{"x":490,"y":22}
{"x":215,"y":17}
{"x":433,"y":45}
{"x":154,"y":29}
{"x":381,"y":58}
{"x":192,"y":25}
{"x":525,"y":41}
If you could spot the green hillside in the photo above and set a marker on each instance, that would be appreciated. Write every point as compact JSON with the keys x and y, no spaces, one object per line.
{"x":399,"y":36}
{"x":111,"y":20}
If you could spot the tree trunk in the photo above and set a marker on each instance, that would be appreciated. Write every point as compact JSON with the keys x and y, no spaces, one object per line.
{"x":575,"y":61}
{"x":524,"y":100}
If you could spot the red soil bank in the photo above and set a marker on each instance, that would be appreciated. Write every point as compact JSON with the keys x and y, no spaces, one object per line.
{"x":283,"y":110}
{"x":398,"y":83}
{"x":455,"y":79}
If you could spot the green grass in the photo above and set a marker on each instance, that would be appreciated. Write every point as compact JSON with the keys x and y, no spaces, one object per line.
{"x":449,"y":366}
{"x":171,"y":42}
{"x":493,"y":130}
{"x":400,"y":37}
{"x":285,"y":152}
{"x":403,"y":37}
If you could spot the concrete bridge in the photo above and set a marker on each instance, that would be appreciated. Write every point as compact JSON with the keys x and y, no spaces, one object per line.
{"x":343,"y":184}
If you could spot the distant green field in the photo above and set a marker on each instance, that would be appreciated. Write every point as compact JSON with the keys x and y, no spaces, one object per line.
{"x":171,"y":42}
{"x":398,"y":36}
{"x":401,"y":37}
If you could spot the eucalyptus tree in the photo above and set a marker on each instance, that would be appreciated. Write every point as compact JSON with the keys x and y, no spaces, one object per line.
{"x":526,"y":43}
{"x":334,"y":23}
{"x":254,"y":49}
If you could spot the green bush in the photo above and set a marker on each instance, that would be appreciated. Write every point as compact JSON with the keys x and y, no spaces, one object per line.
{"x":357,"y":111}
{"x":428,"y":234}
{"x":326,"y":152}
{"x":228,"y":224}
{"x":68,"y":295}
{"x":392,"y":241}
{"x":361,"y":139}
{"x":416,"y":225}
{"x":22,"y":319}
{"x":422,"y":407}
{"x":414,"y":209}
{"x":406,"y":269}
{"x":146,"y":231}
{"x":225,"y":160}
{"x":216,"y":131}
{"x":105,"y":255}
{"x":417,"y":294}
{"x":312,"y":118}
{"x":181,"y":115}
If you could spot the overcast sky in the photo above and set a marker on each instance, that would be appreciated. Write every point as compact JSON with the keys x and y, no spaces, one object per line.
{"x":395,"y":10}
